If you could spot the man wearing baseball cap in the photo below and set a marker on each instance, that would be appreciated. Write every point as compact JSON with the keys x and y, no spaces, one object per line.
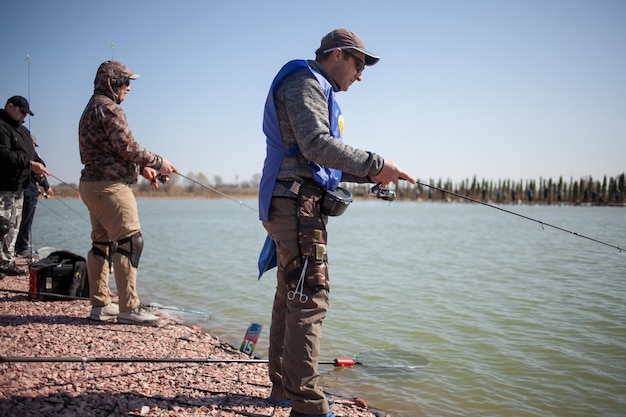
{"x":306,"y":160}
{"x":113,"y":161}
{"x":17,"y":161}
{"x":21,"y":103}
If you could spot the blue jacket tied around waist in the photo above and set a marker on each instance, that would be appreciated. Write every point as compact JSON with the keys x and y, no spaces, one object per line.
{"x":328,"y":178}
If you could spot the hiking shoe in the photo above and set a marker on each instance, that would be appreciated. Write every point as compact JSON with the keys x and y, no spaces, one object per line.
{"x":296,"y":414}
{"x":107,"y":313}
{"x":140,"y":315}
{"x":12,"y":269}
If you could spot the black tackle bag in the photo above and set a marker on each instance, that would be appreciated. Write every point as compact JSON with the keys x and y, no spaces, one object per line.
{"x":62,"y":275}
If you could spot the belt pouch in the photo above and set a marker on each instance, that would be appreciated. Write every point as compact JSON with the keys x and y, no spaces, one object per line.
{"x":312,"y":235}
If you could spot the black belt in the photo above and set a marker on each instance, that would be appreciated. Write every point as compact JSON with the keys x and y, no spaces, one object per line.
{"x":286,"y":188}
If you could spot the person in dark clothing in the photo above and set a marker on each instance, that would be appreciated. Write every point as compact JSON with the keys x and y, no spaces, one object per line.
{"x":17,"y":161}
{"x":23,"y":246}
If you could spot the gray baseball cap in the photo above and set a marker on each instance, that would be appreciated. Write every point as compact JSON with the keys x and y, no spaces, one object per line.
{"x":346,"y":39}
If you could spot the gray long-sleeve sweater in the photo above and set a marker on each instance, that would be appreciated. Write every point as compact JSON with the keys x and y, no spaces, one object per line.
{"x":302,"y":111}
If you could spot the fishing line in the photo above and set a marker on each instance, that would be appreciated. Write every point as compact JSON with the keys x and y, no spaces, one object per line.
{"x":241,"y":203}
{"x":61,"y":216}
{"x":48,"y":206}
{"x":62,"y":201}
{"x":82,"y":216}
{"x":182,"y":310}
{"x":542,"y":223}
{"x":392,"y":359}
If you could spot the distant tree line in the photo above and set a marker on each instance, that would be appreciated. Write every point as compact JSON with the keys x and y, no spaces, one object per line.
{"x":608,"y":191}
{"x":587,"y":190}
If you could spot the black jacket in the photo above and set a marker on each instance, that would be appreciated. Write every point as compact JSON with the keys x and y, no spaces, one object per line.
{"x":16,"y":153}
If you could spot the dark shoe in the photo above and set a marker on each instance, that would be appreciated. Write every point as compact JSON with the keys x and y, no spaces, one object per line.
{"x":12,"y":270}
{"x":24,"y":253}
{"x":296,"y":414}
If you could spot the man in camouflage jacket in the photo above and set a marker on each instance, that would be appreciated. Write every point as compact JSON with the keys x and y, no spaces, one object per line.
{"x":112,"y":162}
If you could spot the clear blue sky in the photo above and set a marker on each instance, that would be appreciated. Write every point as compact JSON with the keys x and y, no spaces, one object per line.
{"x":488,"y":88}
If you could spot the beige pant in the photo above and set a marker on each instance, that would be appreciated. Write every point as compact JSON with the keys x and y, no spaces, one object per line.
{"x":113,"y":214}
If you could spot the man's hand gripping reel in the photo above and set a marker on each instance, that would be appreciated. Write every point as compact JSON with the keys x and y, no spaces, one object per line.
{"x":162,"y":178}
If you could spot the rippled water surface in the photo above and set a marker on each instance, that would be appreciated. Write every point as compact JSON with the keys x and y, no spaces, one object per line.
{"x":499,"y":315}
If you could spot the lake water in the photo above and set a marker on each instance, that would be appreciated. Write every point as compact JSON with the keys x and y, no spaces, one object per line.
{"x":503,"y":317}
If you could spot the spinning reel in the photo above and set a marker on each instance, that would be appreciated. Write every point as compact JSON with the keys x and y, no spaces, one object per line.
{"x":382,"y":193}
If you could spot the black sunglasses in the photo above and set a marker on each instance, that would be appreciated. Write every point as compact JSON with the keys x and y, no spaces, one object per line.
{"x":360,"y":64}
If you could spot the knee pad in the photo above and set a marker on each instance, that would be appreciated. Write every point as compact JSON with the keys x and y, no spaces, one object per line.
{"x":106,"y":254}
{"x":136,"y":247}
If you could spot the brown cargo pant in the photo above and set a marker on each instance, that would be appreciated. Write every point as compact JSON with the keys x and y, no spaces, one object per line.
{"x":296,"y":326}
{"x":113,"y":213}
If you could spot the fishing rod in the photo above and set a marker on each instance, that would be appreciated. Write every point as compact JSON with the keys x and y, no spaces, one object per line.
{"x":339,"y":362}
{"x":241,"y":203}
{"x":163,"y":179}
{"x":542,"y":223}
{"x":47,"y":295}
{"x":374,"y":359}
{"x":385,"y":194}
{"x":72,"y":186}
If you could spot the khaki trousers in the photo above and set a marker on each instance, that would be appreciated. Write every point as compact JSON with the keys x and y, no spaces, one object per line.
{"x":296,"y":327}
{"x":113,"y":214}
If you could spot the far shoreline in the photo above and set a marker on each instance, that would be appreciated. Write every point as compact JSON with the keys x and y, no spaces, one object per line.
{"x":71,"y":193}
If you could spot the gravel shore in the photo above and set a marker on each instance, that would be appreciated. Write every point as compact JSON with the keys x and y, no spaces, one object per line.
{"x":90,"y":387}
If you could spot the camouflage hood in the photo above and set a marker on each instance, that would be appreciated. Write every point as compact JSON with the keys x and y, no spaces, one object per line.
{"x":111,"y":76}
